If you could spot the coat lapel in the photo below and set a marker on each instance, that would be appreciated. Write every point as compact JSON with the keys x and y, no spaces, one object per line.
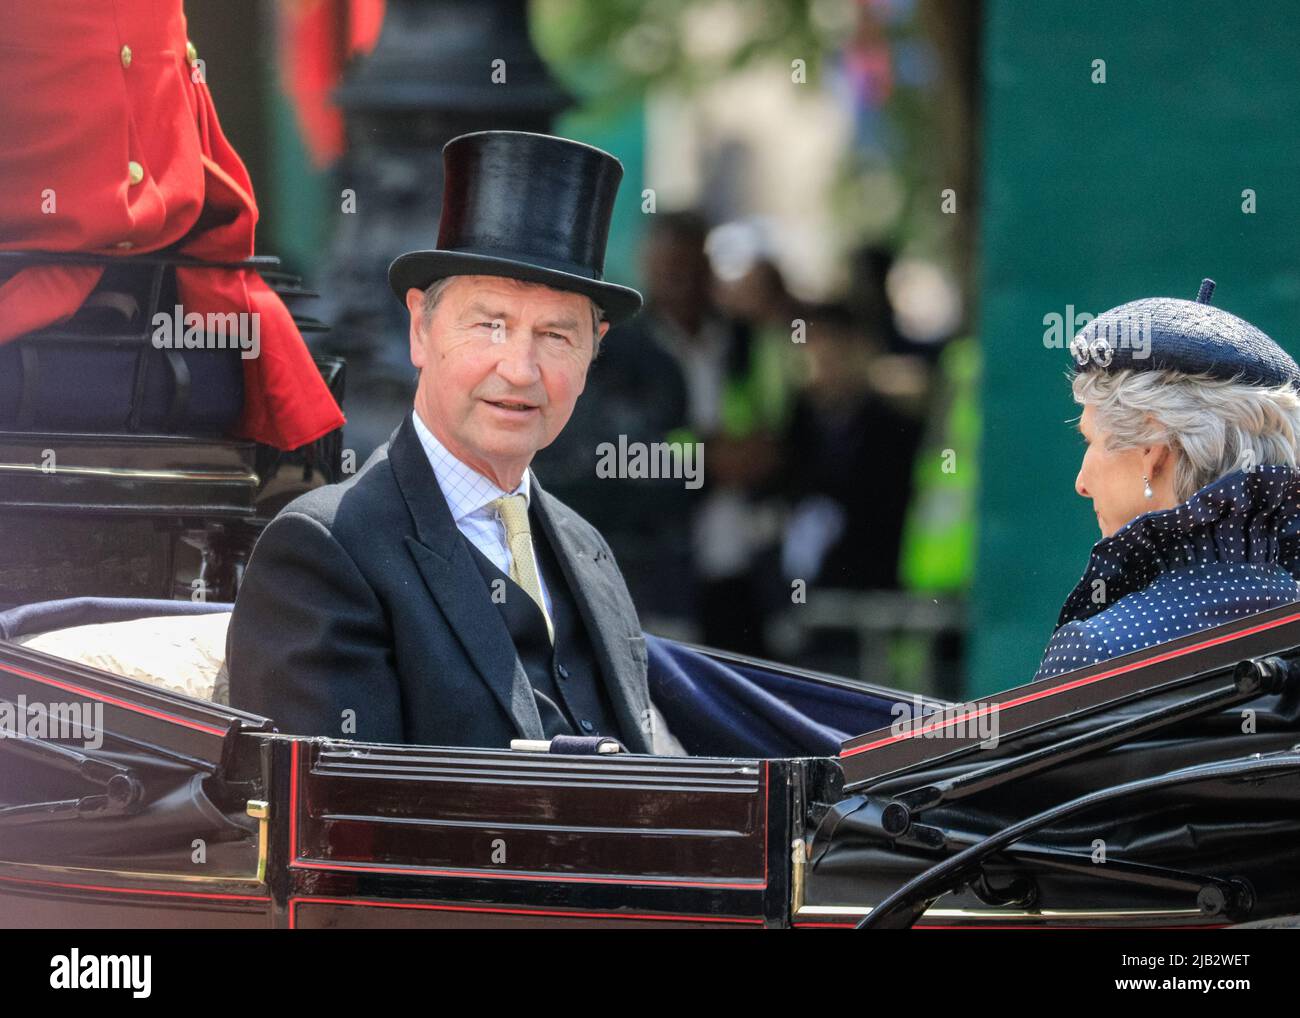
{"x":456,"y":584}
{"x":588,"y":569}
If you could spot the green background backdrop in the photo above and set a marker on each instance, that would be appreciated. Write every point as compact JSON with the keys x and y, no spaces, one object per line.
{"x":1096,"y":194}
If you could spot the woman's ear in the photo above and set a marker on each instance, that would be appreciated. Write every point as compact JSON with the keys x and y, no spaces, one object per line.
{"x":1157,"y":459}
{"x":1159,"y":463}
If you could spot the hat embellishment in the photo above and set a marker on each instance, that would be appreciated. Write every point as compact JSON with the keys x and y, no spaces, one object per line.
{"x":1101,"y":351}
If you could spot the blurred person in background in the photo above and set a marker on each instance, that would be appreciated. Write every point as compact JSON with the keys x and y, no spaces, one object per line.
{"x":869,"y":302}
{"x":854,"y":431}
{"x":735,"y":406}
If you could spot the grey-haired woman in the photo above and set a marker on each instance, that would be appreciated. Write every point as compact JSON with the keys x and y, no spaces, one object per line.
{"x":1191,"y":418}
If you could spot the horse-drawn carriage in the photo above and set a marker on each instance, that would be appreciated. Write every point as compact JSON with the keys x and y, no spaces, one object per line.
{"x":1161,"y":788}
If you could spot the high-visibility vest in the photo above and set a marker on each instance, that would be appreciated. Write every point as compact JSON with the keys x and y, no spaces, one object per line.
{"x":938,"y":547}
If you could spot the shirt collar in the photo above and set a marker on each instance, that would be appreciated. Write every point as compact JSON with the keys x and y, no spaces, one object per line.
{"x":465,"y":489}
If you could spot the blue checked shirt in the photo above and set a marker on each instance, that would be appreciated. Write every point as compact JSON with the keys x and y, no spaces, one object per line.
{"x":468,"y":494}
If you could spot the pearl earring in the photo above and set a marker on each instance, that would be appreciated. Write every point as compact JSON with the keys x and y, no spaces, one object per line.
{"x":1146,"y":487}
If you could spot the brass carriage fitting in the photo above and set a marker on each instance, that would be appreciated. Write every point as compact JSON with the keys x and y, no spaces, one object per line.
{"x":260,"y":810}
{"x":800,"y":853}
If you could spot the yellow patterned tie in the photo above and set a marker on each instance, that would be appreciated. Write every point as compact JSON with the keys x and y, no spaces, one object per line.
{"x":513,"y":510}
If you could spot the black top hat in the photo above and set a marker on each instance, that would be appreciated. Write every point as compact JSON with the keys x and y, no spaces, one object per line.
{"x":527,"y":206}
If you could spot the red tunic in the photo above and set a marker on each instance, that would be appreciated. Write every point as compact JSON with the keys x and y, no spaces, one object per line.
{"x":109,"y":144}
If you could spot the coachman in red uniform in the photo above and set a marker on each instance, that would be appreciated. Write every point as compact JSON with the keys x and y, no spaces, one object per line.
{"x":109,"y":143}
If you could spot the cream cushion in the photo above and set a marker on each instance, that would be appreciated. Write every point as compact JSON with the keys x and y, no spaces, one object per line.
{"x":182,"y":653}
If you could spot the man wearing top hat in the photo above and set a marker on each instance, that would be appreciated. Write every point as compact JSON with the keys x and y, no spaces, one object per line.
{"x":441,"y":596}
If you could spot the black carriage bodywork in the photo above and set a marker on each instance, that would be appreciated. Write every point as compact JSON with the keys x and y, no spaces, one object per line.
{"x":118,"y":477}
{"x":194,"y":814}
{"x":314,"y":832}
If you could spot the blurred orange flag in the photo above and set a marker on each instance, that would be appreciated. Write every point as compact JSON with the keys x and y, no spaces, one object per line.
{"x":317,"y":39}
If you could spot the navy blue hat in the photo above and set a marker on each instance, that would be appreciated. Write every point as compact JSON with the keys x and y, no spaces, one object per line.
{"x":1190,"y":337}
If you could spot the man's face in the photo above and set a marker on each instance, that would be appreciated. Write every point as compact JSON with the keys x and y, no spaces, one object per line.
{"x":503,"y":363}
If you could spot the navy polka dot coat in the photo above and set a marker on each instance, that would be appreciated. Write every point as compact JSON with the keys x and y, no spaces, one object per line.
{"x":1231,"y":550}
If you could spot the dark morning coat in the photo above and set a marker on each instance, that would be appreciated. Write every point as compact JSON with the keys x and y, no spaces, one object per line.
{"x":362,"y":600}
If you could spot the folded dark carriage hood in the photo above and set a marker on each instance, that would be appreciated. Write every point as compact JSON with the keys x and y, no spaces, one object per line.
{"x":159,"y":838}
{"x":1223,"y":828}
{"x":185,"y":771}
